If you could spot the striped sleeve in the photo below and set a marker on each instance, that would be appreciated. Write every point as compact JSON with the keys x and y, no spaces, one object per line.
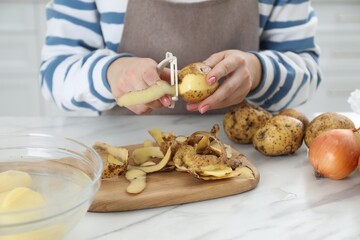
{"x":288,"y":55}
{"x":75,"y":57}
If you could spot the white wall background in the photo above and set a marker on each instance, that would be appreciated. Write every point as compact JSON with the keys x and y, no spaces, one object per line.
{"x":339,"y":38}
{"x":22,"y":29}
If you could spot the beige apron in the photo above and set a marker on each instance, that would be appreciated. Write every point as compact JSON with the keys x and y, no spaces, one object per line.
{"x":153,"y":27}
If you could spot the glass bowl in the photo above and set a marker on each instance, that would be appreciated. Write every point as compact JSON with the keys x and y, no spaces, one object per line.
{"x":47,"y":184}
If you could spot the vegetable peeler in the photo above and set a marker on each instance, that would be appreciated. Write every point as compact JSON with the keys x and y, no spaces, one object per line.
{"x":172,"y":60}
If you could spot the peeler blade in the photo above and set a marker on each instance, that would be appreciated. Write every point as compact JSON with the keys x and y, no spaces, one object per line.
{"x":172,"y":60}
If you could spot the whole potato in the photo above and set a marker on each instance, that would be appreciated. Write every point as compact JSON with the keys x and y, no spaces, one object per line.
{"x":241,"y":123}
{"x":291,"y":112}
{"x":324,"y":122}
{"x":281,"y":135}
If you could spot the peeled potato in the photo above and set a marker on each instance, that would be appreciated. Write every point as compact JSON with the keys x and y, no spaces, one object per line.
{"x":192,"y":83}
{"x":22,"y":198}
{"x":12,"y":179}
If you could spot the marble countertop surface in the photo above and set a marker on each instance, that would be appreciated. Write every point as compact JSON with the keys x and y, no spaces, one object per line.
{"x":288,"y":203}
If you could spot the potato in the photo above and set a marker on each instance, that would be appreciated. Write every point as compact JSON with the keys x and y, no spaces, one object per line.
{"x":324,"y":122}
{"x":281,"y":135}
{"x":192,"y":87}
{"x":241,"y":123}
{"x":192,"y":83}
{"x":295,"y":114}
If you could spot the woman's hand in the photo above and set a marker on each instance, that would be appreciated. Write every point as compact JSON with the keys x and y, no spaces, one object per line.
{"x":130,"y":74}
{"x":242,"y":72}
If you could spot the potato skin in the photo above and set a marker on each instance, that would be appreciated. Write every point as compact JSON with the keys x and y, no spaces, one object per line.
{"x":194,"y":68}
{"x":241,"y":123}
{"x":291,"y":112}
{"x":324,"y":122}
{"x":280,"y":136}
{"x":110,"y":170}
{"x":195,"y":96}
{"x":192,"y":83}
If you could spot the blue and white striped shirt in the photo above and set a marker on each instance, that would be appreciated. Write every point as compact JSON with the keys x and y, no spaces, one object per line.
{"x":83,"y":36}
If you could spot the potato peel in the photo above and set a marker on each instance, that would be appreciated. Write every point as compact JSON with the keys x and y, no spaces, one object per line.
{"x":201,"y":154}
{"x":157,"y":134}
{"x":115,"y":159}
{"x":242,"y":171}
{"x":148,"y":143}
{"x":154,"y":168}
{"x":118,"y":152}
{"x":142,"y":155}
{"x":152,"y":93}
{"x":148,"y":163}
{"x":137,"y":180}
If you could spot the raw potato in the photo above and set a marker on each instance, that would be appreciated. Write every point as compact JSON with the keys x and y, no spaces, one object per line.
{"x":241,"y":123}
{"x":325,"y":122}
{"x":22,"y":198}
{"x":281,"y":135}
{"x":154,"y":92}
{"x":295,"y":114}
{"x":12,"y":179}
{"x":192,"y":83}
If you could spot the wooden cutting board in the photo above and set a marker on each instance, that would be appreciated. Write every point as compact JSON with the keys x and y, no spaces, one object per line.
{"x":167,"y":188}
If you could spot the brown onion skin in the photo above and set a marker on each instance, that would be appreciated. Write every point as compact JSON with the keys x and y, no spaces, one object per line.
{"x":335,"y":153}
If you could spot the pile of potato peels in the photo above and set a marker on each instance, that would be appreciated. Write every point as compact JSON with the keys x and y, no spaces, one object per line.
{"x":201,"y":154}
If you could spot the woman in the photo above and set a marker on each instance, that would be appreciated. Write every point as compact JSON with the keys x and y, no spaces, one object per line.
{"x":95,"y":51}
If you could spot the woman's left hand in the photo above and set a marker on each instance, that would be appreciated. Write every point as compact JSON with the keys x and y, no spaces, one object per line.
{"x":242,"y":72}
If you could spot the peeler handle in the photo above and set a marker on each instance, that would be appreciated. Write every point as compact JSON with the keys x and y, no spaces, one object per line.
{"x":172,"y":60}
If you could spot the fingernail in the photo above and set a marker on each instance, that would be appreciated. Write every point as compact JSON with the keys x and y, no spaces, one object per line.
{"x":211,"y":80}
{"x":166,"y":101}
{"x":204,"y":109}
{"x":192,"y":107}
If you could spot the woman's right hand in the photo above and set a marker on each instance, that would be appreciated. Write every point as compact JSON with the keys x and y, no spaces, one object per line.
{"x":131,"y":74}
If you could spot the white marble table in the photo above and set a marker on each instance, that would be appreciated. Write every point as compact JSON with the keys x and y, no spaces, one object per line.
{"x":288,"y":203}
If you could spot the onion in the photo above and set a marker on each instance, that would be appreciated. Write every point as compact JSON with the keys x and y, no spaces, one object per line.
{"x":335,"y":154}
